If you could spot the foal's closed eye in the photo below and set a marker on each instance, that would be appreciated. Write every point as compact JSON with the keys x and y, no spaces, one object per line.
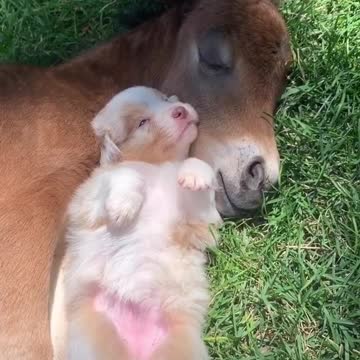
{"x":143,"y":122}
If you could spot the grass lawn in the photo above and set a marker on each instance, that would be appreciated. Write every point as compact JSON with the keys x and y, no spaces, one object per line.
{"x":289,"y":287}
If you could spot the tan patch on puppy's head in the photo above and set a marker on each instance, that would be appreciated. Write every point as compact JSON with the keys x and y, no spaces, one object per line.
{"x":142,"y":124}
{"x":154,"y":145}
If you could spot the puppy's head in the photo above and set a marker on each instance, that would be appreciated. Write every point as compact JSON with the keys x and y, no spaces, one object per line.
{"x":142,"y":124}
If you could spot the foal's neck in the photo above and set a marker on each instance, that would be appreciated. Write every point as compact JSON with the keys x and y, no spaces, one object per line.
{"x":140,"y":57}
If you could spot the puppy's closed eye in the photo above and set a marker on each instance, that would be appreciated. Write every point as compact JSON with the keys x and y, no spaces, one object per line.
{"x":143,"y":122}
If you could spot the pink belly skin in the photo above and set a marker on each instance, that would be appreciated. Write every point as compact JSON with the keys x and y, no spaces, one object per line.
{"x":142,"y":329}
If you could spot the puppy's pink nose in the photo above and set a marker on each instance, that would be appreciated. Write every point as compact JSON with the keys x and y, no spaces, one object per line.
{"x":179,"y":113}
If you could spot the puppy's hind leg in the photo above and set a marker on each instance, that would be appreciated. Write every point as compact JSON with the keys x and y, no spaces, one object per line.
{"x":184,"y":343}
{"x":92,"y":337}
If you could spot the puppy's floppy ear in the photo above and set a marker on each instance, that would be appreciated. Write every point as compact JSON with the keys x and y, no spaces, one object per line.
{"x":110,"y":152}
{"x":108,"y":121}
{"x":99,"y":123}
{"x":173,"y":98}
{"x":109,"y":129}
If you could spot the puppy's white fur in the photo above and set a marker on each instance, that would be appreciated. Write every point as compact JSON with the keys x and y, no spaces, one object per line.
{"x":136,"y":232}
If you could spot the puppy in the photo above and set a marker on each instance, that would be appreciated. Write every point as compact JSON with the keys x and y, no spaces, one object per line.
{"x":135,"y":281}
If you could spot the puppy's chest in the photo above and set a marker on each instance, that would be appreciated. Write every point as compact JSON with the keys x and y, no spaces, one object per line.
{"x":148,"y":253}
{"x":161,"y":206}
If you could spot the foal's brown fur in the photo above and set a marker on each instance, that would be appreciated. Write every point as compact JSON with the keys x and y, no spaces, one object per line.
{"x":47,"y":147}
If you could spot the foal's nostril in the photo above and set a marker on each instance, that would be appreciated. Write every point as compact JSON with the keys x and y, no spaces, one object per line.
{"x":254,"y":175}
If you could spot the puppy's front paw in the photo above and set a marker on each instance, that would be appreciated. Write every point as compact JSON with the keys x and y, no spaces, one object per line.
{"x":193,"y":182}
{"x":196,"y":175}
{"x":125,"y":197}
{"x":123,"y":209}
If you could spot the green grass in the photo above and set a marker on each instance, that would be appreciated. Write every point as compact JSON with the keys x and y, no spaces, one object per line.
{"x":290,"y":287}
